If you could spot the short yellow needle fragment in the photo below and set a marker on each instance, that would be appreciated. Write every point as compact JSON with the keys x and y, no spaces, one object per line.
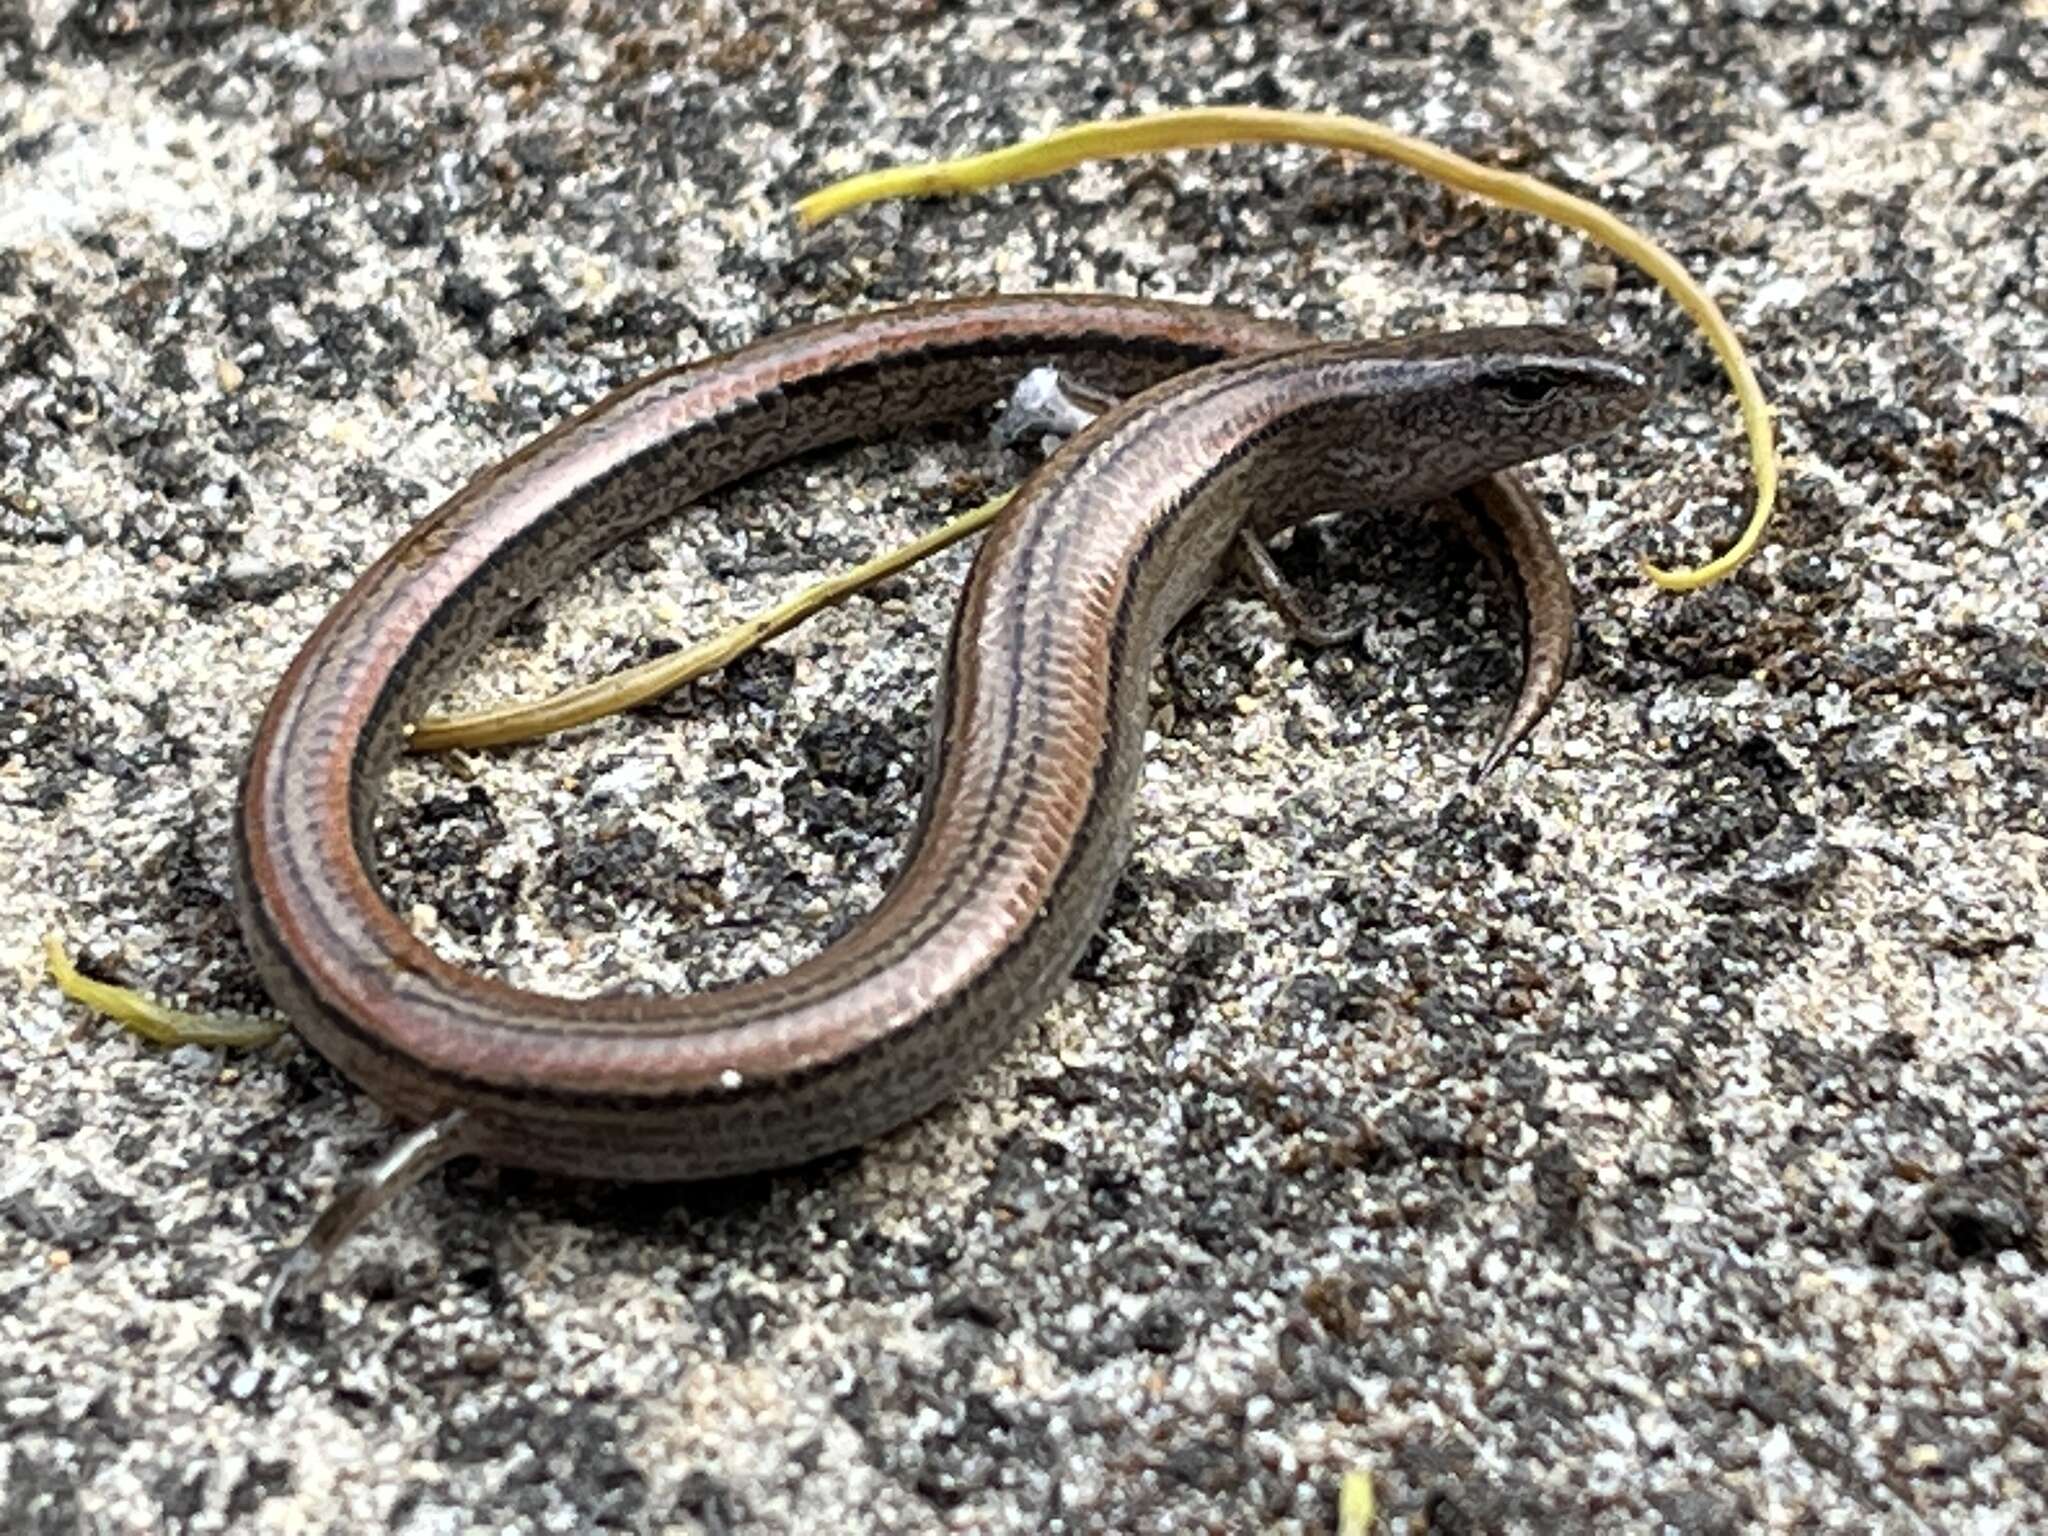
{"x":1355,"y":1504}
{"x":148,"y":1018}
{"x":1210,"y":127}
{"x":507,"y":723}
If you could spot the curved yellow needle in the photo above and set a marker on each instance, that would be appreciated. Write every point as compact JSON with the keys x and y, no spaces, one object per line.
{"x":144,"y":1016}
{"x":503,"y":724}
{"x":1211,"y":127}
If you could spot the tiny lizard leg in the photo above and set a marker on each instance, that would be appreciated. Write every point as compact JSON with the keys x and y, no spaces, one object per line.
{"x":1258,"y":563}
{"x":1047,"y":403}
{"x":359,"y":1198}
{"x":140,"y":1014}
{"x":1507,"y":525}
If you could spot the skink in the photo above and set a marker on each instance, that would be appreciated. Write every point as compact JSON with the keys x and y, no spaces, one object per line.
{"x":1237,"y":428}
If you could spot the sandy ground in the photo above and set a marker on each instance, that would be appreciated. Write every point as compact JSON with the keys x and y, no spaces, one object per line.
{"x":1651,"y":1138}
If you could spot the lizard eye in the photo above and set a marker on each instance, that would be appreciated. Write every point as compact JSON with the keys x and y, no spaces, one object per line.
{"x":1527,"y":388}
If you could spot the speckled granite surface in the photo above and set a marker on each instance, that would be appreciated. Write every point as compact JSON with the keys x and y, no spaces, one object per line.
{"x":1649,"y":1139}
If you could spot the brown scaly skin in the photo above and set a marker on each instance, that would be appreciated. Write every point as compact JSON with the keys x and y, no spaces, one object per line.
{"x":1039,"y":721}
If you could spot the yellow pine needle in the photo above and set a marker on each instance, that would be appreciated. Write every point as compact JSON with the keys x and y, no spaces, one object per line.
{"x":1212,"y":127}
{"x":142,"y":1015}
{"x":506,"y":723}
{"x":1356,"y":1506}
